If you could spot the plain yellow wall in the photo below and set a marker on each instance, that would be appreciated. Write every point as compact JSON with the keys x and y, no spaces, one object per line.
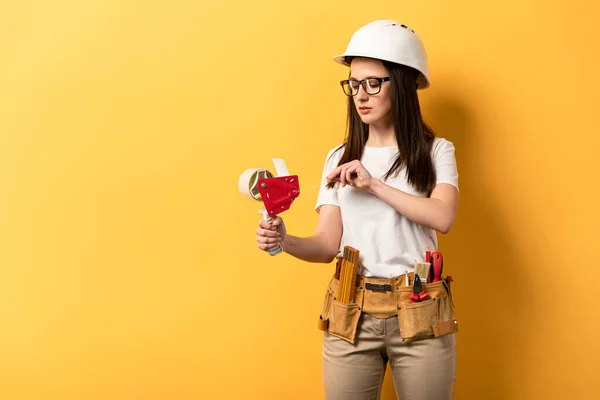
{"x":128,"y":267}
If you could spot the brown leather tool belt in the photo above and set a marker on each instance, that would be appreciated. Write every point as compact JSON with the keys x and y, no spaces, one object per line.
{"x":385,"y":298}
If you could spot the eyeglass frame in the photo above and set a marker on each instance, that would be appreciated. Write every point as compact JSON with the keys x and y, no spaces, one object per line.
{"x":363,"y":83}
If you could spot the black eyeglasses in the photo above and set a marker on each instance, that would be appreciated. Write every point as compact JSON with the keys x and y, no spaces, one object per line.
{"x":370,"y":85}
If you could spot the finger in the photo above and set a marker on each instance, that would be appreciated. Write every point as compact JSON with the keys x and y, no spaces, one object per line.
{"x":349,"y":173}
{"x":266,"y":240}
{"x":263,"y":246}
{"x":267,"y":232}
{"x":360,"y":171}
{"x":334,"y":175}
{"x":266,"y":246}
{"x":277,"y":222}
{"x":363,"y":174}
{"x":338,"y":171}
{"x":266,"y":224}
{"x":343,"y":176}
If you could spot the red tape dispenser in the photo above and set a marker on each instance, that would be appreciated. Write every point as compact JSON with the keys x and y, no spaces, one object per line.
{"x":277,"y":193}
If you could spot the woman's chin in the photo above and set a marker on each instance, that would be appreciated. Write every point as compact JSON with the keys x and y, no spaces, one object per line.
{"x":370,"y":119}
{"x":380,"y":121}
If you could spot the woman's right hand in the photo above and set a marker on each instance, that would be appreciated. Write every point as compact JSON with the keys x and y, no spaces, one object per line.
{"x":269,"y":235}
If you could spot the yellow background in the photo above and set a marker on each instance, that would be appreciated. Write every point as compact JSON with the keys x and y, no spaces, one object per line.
{"x":128,"y":267}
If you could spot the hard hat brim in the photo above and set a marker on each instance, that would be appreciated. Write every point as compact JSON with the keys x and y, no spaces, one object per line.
{"x":341,"y":59}
{"x":423,"y":81}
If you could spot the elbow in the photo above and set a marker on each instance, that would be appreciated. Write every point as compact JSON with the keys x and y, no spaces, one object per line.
{"x":444,"y":230}
{"x":330,"y":254}
{"x":329,"y":258}
{"x":330,"y":249}
{"x":326,"y":249}
{"x":445,"y":227}
{"x":445,"y":221}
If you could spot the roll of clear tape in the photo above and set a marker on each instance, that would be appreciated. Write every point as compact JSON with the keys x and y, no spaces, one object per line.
{"x":248,"y":186}
{"x":248,"y":182}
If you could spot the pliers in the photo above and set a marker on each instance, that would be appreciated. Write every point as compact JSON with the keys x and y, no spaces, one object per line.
{"x":418,"y":294}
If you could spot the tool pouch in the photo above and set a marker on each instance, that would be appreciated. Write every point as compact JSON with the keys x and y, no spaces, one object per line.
{"x":433,"y":317}
{"x":339,"y":319}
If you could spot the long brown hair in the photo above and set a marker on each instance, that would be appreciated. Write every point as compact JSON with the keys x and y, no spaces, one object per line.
{"x":413,"y":135}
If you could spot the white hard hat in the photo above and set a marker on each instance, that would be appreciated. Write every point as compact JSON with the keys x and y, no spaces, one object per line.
{"x":392,"y":41}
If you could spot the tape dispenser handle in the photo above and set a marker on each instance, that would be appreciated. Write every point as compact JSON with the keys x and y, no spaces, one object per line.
{"x":277,"y":249}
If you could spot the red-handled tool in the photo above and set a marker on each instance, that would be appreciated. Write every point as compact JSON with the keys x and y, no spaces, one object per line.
{"x":338,"y":267}
{"x":437,"y":266}
{"x":418,"y":294}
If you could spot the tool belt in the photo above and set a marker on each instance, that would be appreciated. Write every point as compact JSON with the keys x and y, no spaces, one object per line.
{"x":384,"y":298}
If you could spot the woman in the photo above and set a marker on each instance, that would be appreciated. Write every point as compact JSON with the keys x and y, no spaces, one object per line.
{"x":385,"y":192}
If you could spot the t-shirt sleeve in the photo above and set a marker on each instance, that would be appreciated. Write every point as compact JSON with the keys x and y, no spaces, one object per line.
{"x":445,"y":163}
{"x":326,"y":195}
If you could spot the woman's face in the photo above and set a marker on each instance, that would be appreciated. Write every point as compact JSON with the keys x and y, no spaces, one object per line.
{"x":372,"y":108}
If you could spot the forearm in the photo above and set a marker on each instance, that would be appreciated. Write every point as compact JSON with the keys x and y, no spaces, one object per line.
{"x":429,"y":212}
{"x":311,"y":249}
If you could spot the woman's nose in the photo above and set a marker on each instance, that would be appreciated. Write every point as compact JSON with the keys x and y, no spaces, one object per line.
{"x":361,"y":95}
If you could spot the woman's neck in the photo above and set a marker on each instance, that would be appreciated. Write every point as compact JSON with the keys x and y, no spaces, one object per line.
{"x":381,"y":137}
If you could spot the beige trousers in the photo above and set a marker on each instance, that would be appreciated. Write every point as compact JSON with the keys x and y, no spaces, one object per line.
{"x":422,"y":369}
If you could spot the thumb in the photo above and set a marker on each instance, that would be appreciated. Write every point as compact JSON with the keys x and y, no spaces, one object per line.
{"x":276,"y":223}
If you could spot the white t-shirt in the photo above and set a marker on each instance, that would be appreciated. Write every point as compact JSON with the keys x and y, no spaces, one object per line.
{"x":389,"y":243}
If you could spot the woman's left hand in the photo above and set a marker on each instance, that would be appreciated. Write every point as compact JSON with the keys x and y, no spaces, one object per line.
{"x":353,"y":174}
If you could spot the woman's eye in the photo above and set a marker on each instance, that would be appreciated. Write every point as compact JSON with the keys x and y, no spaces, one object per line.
{"x":374,"y":83}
